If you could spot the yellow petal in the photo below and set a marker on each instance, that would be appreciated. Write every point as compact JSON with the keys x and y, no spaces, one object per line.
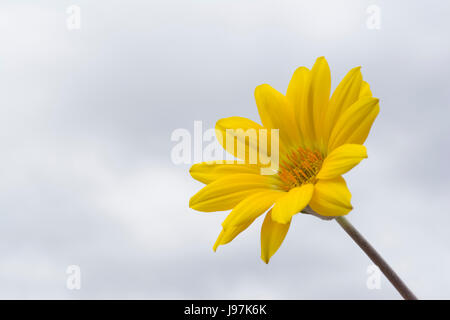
{"x":225,"y":193}
{"x":292,"y":203}
{"x":227,"y":235}
{"x":319,"y":95}
{"x":341,"y":160}
{"x":331,"y":197}
{"x":272,"y":236}
{"x":277,"y":113}
{"x":297,"y":94}
{"x":354,"y":124}
{"x":365,"y":90}
{"x":208,"y":172}
{"x":243,"y":134}
{"x":252,"y":207}
{"x":245,"y":213}
{"x":346,"y":93}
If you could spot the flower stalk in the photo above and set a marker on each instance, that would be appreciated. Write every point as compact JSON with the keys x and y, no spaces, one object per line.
{"x":401,"y":287}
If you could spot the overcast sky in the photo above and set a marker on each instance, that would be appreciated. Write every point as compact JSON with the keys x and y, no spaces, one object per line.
{"x":86,"y":117}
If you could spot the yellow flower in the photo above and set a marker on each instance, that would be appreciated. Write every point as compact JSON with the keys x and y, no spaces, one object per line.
{"x":320,"y":139}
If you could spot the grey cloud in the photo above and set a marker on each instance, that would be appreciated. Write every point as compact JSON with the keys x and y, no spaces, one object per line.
{"x":85,"y":124}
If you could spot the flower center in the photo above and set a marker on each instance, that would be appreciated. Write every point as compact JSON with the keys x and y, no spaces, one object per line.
{"x":300,"y":167}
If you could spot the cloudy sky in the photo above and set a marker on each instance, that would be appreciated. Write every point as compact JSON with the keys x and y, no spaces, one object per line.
{"x":86,"y":176}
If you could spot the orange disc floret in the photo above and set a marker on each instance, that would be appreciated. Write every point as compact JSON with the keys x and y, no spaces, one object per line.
{"x":300,"y":167}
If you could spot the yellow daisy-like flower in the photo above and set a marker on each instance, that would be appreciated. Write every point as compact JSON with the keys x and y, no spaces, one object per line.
{"x":320,"y":139}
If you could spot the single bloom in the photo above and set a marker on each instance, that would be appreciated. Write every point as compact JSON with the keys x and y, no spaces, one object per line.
{"x":320,"y":139}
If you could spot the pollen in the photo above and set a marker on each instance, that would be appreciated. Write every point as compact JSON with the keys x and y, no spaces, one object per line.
{"x":300,"y":167}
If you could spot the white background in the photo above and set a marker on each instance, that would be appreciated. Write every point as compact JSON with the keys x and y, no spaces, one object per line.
{"x":86,"y":176}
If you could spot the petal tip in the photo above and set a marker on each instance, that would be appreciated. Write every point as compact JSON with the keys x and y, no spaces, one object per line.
{"x":349,"y":209}
{"x":192,"y":202}
{"x":261,"y":87}
{"x":301,"y":69}
{"x":265,"y":259}
{"x":216,"y":245}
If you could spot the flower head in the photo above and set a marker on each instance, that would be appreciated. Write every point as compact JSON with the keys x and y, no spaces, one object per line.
{"x":320,"y":139}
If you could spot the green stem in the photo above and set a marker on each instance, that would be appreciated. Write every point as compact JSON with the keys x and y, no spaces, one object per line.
{"x":377,"y":259}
